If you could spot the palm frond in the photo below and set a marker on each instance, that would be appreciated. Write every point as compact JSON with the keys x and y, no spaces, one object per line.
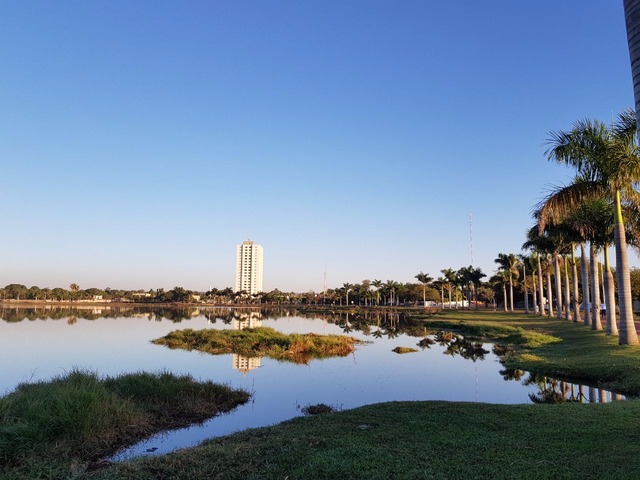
{"x":561,"y":201}
{"x":625,"y":128}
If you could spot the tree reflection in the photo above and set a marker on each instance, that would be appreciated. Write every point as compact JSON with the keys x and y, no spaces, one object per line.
{"x":551,"y":390}
{"x":392,"y":333}
{"x":426,"y":342}
{"x":512,"y":374}
{"x":151,"y":313}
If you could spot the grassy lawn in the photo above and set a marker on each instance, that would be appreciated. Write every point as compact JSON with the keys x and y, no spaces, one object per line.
{"x":418,"y":440}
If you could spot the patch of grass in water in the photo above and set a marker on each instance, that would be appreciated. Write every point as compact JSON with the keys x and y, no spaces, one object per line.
{"x":317,"y":409}
{"x":402,"y":350}
{"x":261,"y":342}
{"x":48,"y":429}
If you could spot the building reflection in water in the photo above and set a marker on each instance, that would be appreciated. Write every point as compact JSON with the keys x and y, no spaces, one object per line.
{"x":246,"y":320}
{"x":245,"y":364}
{"x":251,"y":319}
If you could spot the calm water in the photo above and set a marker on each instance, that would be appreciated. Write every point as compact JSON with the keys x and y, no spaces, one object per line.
{"x":36,"y":347}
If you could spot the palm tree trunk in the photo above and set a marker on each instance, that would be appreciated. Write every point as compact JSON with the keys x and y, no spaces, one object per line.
{"x":610,"y":296}
{"x":504,"y":293}
{"x":475,"y":293}
{"x":526,"y":291}
{"x":586,"y":298}
{"x":567,"y":295}
{"x":549,"y":292}
{"x":558,"y":282}
{"x":511,"y":289}
{"x":596,"y":324}
{"x":540,"y":290}
{"x":576,"y":295}
{"x":628,"y":334}
{"x":535,"y":294}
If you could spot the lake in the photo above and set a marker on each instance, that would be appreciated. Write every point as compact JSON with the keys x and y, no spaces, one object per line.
{"x":38,"y":344}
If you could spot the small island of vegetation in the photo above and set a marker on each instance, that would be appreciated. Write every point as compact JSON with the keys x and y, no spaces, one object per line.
{"x":60,"y":428}
{"x":261,"y":342}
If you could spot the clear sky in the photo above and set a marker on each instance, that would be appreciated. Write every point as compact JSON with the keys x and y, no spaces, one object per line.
{"x":140,"y":142}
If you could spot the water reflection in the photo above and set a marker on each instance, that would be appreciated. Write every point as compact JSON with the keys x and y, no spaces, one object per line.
{"x":174,"y":314}
{"x":551,"y":390}
{"x":244,"y":364}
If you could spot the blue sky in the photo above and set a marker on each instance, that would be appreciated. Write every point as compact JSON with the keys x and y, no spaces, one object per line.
{"x":141,"y":141}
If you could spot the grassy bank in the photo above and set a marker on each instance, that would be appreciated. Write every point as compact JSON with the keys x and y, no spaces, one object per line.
{"x":552,"y":347}
{"x":418,"y":440}
{"x":261,"y":342}
{"x":52,"y":429}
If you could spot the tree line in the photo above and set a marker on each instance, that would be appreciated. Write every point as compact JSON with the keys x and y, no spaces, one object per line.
{"x":599,"y":208}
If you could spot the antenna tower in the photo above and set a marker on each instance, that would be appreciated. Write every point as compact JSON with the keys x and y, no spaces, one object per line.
{"x":324,"y":288}
{"x":471,"y":235}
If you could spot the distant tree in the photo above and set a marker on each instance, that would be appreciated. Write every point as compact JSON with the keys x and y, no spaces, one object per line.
{"x":509,"y":264}
{"x":75,"y":288}
{"x":34,"y":293}
{"x":475,"y":275}
{"x":16,"y":291}
{"x":377,"y":284}
{"x":425,"y":279}
{"x":60,"y":294}
{"x":486,"y":294}
{"x":449,"y":281}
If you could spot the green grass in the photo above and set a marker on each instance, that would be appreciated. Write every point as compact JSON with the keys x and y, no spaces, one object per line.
{"x":552,"y":347}
{"x":49,"y":429}
{"x":418,"y":440}
{"x":259,"y":342}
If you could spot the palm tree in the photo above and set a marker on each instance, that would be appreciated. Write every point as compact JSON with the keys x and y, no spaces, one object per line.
{"x":439,"y":283}
{"x":545,"y":244}
{"x":391,"y":286}
{"x":530,"y":262}
{"x":501,"y":278}
{"x":475,"y":275}
{"x":75,"y":288}
{"x":425,"y":279}
{"x":450,"y":281}
{"x":524,"y":261}
{"x":609,"y":165}
{"x":576,"y":294}
{"x":378,"y":285}
{"x":509,"y":263}
{"x":464,"y":282}
{"x":594,"y":220}
{"x":365,"y":288}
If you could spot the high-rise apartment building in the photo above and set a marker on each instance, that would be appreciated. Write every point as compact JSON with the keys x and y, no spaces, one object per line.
{"x":249,"y":267}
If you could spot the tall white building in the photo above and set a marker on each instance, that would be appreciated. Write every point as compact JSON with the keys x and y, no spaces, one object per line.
{"x":249,"y":267}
